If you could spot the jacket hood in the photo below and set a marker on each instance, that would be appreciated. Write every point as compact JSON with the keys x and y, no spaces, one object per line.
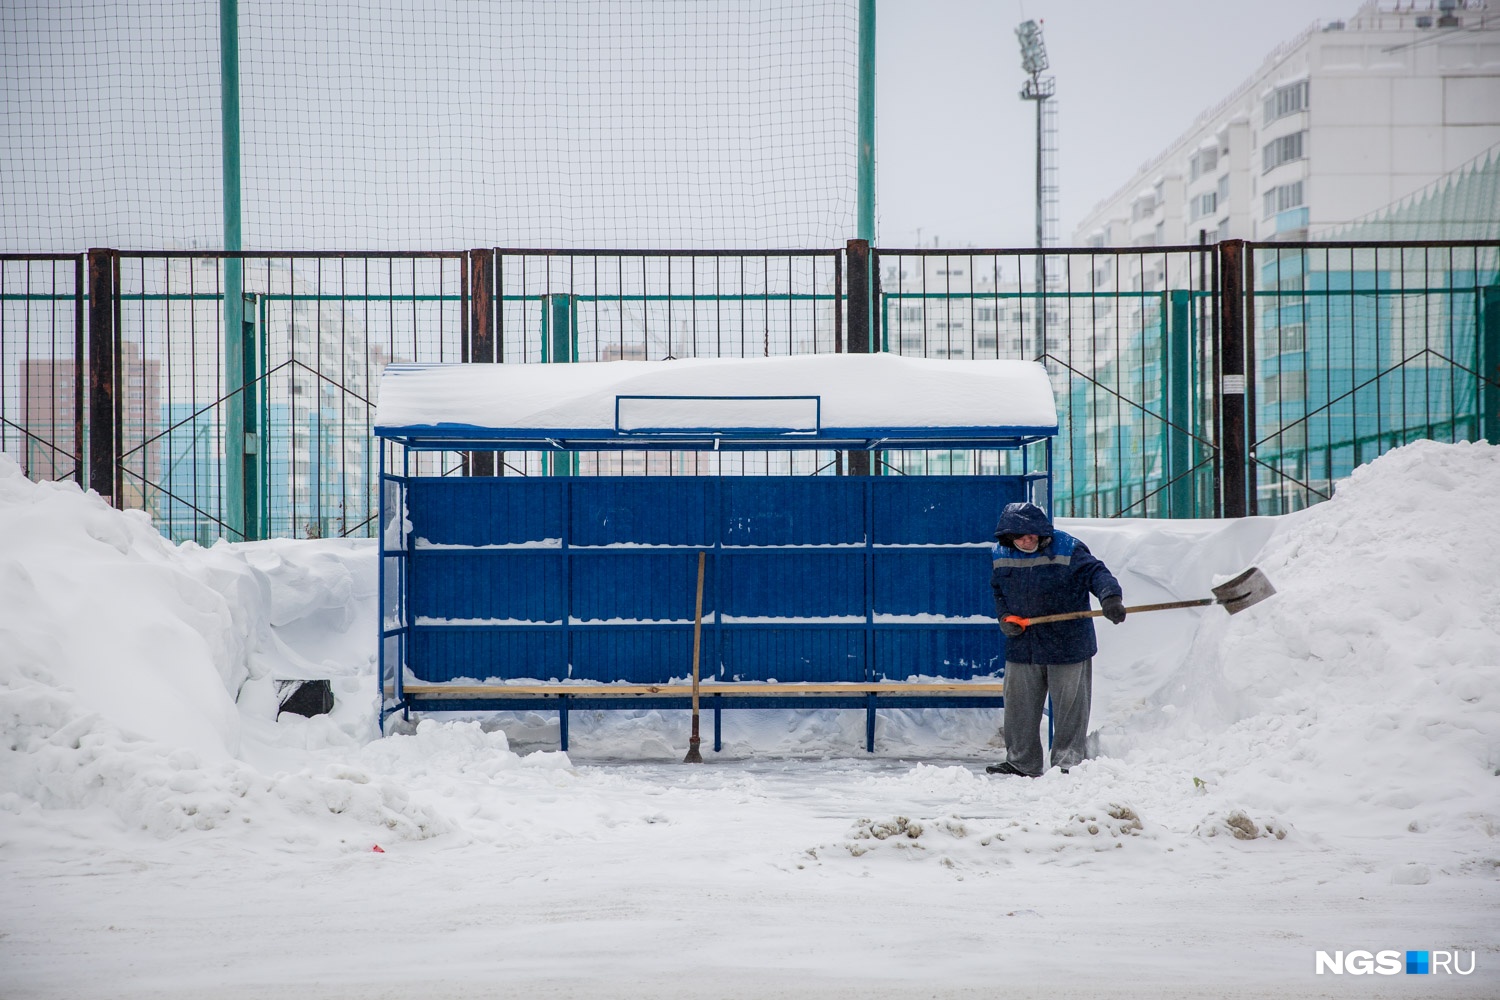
{"x":1023,"y":519}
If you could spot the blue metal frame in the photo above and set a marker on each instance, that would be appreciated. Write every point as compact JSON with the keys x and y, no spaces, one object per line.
{"x":644,"y":638}
{"x":466,"y":437}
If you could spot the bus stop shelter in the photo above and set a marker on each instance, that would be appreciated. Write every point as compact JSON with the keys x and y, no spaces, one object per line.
{"x":569,"y":591}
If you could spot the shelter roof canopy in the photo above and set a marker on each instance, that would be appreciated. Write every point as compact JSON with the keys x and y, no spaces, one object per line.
{"x":813,"y":400}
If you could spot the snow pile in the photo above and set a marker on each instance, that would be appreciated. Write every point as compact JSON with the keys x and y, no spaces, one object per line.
{"x":123,"y":657}
{"x":149,"y":636}
{"x":142,"y":679}
{"x":1314,"y":772}
{"x":1364,"y":696}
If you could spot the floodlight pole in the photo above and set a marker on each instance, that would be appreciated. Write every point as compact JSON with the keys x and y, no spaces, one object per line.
{"x":1033,"y":61}
{"x":1041,"y":234}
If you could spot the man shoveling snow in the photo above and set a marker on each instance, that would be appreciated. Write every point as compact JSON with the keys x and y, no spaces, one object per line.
{"x":1038,"y":570}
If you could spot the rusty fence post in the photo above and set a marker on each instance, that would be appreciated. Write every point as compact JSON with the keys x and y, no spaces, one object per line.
{"x":101,"y":361}
{"x":1232,"y":379}
{"x":857,"y":328}
{"x":482,"y":332}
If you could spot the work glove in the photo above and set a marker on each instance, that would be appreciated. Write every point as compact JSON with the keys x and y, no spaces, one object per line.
{"x":1010,"y":629}
{"x":1114,"y":609}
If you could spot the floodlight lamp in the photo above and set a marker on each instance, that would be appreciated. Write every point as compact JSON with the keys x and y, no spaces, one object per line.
{"x":1033,"y":50}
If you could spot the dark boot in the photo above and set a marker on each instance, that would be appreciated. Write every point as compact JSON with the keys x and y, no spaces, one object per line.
{"x":1006,"y":767}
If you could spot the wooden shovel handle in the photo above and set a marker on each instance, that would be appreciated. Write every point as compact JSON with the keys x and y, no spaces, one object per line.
{"x":1043,"y":619}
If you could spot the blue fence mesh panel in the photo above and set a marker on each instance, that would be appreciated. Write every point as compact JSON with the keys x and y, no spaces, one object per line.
{"x":793,"y":583}
{"x":954,"y":653}
{"x":504,"y":584}
{"x":640,"y":510}
{"x":595,"y":578}
{"x":636,"y":655}
{"x":443,"y":654}
{"x":461,"y":511}
{"x":941,"y":509}
{"x":789,"y":654}
{"x":949,"y":582}
{"x":634,"y":585}
{"x":786,"y":510}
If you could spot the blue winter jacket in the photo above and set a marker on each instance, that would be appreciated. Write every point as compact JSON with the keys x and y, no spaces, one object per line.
{"x":1058,"y":577}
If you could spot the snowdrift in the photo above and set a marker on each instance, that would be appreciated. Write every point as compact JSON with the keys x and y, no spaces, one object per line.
{"x":139,"y":680}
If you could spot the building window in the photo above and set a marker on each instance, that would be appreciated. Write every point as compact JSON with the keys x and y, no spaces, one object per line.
{"x":1203,"y":204}
{"x":1281,"y":198}
{"x":1285,"y":101}
{"x":1205,"y":161}
{"x":1282,"y":150}
{"x":1223,"y":190}
{"x":1285,"y":387}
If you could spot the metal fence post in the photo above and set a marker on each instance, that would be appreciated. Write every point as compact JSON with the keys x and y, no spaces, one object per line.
{"x":1178,"y":363}
{"x":1489,"y":364}
{"x":560,"y":325}
{"x":80,"y":374}
{"x":857,"y":259}
{"x":482,"y":330}
{"x":1232,"y":381}
{"x":101,"y":428}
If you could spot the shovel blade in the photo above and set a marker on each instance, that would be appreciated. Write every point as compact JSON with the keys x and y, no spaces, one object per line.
{"x":1250,"y":587}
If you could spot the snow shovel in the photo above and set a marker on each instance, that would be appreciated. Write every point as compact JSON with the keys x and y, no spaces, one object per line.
{"x":1250,"y":587}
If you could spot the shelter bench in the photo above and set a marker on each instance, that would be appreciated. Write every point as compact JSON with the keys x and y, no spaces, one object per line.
{"x":713,"y":696}
{"x":570,"y":591}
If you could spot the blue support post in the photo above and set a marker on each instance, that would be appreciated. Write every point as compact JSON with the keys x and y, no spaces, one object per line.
{"x":869,"y":723}
{"x":380,"y":622}
{"x":718,"y":721}
{"x":562,"y":723}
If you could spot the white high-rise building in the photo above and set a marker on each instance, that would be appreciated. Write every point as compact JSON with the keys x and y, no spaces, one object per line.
{"x":1342,"y":121}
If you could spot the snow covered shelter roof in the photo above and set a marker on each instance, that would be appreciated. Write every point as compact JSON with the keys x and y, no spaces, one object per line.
{"x":849,"y":401}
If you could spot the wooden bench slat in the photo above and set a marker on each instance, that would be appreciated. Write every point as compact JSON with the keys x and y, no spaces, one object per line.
{"x":704,"y":691}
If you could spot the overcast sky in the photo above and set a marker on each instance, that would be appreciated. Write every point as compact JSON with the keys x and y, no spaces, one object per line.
{"x":955,"y":144}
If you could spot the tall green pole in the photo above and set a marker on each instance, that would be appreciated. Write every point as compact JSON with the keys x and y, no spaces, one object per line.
{"x":865,"y":227}
{"x":1176,"y":365}
{"x":233,"y":509}
{"x":1489,"y":364}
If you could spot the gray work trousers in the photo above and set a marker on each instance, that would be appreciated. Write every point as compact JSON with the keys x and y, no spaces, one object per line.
{"x":1027,"y":686}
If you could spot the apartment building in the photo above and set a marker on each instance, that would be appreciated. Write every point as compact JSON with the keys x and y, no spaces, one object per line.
{"x":1343,"y":120}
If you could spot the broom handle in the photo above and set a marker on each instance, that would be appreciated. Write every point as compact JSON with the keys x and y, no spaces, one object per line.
{"x":1043,"y":619}
{"x":697,"y":637}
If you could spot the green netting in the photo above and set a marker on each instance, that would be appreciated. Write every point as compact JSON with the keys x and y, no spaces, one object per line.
{"x":436,"y":125}
{"x":1464,"y":205}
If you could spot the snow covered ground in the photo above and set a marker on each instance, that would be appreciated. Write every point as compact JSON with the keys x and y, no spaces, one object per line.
{"x":1316,"y":773}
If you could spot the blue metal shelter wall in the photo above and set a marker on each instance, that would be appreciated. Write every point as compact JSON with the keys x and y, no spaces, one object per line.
{"x":808,"y":578}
